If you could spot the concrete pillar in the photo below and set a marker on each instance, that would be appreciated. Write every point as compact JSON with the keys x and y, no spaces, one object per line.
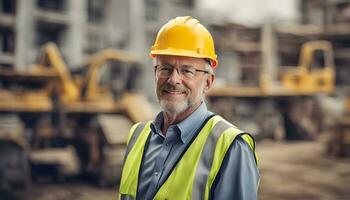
{"x":268,"y":73}
{"x":138,"y":44}
{"x":228,"y":68}
{"x":117,"y":23}
{"x":25,"y":34}
{"x":72,"y":46}
{"x":137,"y":26}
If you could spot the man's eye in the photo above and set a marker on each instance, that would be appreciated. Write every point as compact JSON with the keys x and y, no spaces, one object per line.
{"x":166,"y":69}
{"x":187,"y":71}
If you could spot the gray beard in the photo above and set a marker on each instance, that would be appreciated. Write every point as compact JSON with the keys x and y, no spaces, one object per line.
{"x":182,"y":106}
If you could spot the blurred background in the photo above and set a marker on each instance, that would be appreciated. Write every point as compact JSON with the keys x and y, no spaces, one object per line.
{"x":75,"y":75}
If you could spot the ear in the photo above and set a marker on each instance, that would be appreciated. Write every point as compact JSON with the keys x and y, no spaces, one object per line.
{"x":209,"y":82}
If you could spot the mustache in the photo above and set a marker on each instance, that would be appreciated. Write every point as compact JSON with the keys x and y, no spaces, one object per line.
{"x":170,"y":87}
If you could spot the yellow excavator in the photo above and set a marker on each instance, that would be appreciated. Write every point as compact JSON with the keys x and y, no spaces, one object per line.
{"x":83,"y":93}
{"x":23,"y":99}
{"x":311,"y":76}
{"x":78,"y":123}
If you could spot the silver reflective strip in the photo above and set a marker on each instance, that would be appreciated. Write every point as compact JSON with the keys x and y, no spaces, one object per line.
{"x":206,"y":159}
{"x":126,"y":197}
{"x":133,"y":138}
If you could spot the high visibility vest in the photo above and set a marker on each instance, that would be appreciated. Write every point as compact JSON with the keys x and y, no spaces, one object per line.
{"x":194,"y":174}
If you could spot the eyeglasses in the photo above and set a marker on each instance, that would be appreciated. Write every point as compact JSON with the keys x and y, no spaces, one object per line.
{"x":186,"y":72}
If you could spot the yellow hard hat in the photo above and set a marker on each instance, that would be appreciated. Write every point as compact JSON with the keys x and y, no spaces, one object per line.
{"x":185,"y":36}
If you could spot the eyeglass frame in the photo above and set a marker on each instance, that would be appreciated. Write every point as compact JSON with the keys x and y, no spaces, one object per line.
{"x":179,"y":71}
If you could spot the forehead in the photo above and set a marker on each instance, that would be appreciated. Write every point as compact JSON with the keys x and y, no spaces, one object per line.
{"x":180,"y":60}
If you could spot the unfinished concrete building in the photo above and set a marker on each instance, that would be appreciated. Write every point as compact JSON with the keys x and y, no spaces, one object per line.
{"x":83,"y":27}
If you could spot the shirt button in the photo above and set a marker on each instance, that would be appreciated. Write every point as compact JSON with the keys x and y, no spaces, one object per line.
{"x":167,"y":144}
{"x":155,"y":173}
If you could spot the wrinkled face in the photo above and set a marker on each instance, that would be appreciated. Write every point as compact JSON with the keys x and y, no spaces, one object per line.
{"x":181,"y":82}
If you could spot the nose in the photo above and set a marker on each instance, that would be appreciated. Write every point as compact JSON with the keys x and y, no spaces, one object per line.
{"x":175,"y":77}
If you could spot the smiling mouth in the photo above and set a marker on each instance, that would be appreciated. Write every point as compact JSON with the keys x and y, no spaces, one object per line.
{"x":174,"y":92}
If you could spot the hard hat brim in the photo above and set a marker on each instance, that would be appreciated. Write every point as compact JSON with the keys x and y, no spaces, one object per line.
{"x":175,"y":52}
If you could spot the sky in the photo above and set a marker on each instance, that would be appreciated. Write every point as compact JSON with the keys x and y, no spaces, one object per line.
{"x":253,"y":11}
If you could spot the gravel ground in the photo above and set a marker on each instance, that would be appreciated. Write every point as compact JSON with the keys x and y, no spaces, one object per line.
{"x":289,"y":170}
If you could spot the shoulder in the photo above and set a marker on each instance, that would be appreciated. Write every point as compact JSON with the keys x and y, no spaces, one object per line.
{"x":239,"y":168}
{"x":243,"y":141}
{"x":136,"y":128}
{"x":244,"y":146}
{"x":140,"y":125}
{"x":239,"y":134}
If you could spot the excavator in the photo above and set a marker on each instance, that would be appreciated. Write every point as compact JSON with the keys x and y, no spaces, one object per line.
{"x":23,"y":100}
{"x":282,"y":107}
{"x":76,"y":123}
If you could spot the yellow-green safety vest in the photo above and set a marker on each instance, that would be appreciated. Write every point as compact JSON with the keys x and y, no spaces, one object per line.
{"x":194,"y":174}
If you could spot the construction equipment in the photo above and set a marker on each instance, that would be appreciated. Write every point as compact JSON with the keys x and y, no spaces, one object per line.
{"x":79,"y":124}
{"x":84,"y":94}
{"x":23,"y":102}
{"x":99,"y":113}
{"x":283,"y":107}
{"x":311,"y":77}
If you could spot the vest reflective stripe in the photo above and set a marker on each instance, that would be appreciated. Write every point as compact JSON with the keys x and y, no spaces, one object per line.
{"x":195,"y":173}
{"x":132,"y":136}
{"x":250,"y":140}
{"x":223,"y":144}
{"x":130,"y":173}
{"x":131,"y":133}
{"x":206,"y":160}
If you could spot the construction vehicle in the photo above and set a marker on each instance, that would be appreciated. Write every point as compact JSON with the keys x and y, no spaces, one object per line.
{"x":284,"y":106}
{"x":23,"y":100}
{"x":100,"y":109}
{"x":79,"y":126}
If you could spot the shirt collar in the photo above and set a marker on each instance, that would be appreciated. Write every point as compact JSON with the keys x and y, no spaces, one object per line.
{"x":187,"y":127}
{"x":156,"y":125}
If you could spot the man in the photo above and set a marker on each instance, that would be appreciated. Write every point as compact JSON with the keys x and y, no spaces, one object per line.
{"x":187,"y":152}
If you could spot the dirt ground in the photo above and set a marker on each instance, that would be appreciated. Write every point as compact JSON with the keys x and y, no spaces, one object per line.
{"x":289,"y":170}
{"x":301,"y":170}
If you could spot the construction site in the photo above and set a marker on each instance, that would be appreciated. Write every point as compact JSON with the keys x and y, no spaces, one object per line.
{"x":76,"y":75}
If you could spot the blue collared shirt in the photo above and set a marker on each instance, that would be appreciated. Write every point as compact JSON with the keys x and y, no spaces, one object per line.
{"x":238,"y":178}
